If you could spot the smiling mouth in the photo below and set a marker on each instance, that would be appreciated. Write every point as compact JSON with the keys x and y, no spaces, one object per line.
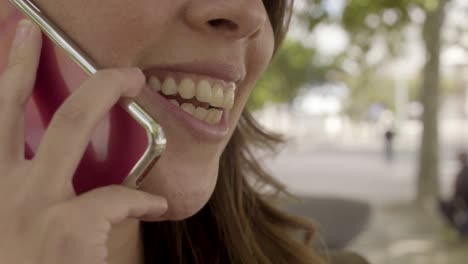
{"x":201,"y":97}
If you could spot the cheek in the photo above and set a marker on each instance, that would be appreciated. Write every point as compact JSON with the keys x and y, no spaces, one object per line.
{"x":262,"y":51}
{"x":6,"y":10}
{"x":113,"y":33}
{"x":258,"y":58}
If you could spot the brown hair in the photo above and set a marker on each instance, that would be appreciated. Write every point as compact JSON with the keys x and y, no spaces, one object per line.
{"x":238,"y":225}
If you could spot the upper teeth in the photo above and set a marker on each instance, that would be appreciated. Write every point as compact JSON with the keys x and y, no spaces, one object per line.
{"x":204,"y":91}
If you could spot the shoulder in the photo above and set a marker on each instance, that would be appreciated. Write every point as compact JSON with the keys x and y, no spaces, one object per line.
{"x":344,"y":257}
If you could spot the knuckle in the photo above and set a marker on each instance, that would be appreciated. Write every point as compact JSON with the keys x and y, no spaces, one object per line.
{"x":60,"y":218}
{"x":17,"y":98}
{"x":13,"y":95}
{"x":116,"y":77}
{"x":113,"y":74}
{"x":72,"y":113}
{"x":17,"y":67}
{"x":114,"y":190}
{"x":68,"y":218}
{"x":61,"y":229}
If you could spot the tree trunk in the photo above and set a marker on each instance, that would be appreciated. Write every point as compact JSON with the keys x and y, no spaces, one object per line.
{"x":428,"y":174}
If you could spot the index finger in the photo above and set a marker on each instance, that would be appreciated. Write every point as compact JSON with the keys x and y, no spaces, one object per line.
{"x":16,"y":85}
{"x":72,"y":126}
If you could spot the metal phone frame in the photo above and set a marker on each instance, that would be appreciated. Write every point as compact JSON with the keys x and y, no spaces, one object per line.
{"x":156,"y":138}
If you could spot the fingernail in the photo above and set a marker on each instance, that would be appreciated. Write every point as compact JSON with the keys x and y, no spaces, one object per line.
{"x":22,"y":31}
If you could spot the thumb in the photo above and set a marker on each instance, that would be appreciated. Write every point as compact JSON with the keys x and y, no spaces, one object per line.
{"x":116,"y":203}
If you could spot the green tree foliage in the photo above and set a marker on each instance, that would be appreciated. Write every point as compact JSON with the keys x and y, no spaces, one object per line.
{"x":369,"y":20}
{"x":368,"y":23}
{"x":292,"y":67}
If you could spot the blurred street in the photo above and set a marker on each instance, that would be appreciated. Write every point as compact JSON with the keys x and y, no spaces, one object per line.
{"x":358,"y":172}
{"x":354,"y":88}
{"x":400,"y":233}
{"x":396,"y":231}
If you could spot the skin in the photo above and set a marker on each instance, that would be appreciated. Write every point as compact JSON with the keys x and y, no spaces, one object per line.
{"x":158,"y":33}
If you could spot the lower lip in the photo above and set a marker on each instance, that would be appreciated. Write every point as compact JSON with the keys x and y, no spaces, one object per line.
{"x":199,"y":129}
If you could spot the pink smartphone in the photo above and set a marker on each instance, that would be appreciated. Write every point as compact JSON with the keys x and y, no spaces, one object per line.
{"x":125,"y":144}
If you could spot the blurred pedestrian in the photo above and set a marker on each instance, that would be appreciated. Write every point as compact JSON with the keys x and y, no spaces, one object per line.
{"x":455,"y":210}
{"x":388,"y":144}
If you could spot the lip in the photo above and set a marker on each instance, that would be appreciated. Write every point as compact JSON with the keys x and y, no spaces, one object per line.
{"x":226,"y":72}
{"x":168,"y":115}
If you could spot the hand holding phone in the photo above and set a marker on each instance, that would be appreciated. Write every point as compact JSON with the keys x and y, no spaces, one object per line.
{"x":42,"y":221}
{"x":128,"y":141}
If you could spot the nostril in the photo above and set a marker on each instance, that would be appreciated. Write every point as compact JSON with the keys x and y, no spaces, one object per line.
{"x":223,"y":23}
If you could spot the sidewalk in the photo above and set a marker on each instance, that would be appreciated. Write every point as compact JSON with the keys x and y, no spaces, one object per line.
{"x":402,"y":233}
{"x":397,"y":232}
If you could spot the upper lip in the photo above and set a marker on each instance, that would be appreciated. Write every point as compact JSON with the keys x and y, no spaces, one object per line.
{"x":221,"y":71}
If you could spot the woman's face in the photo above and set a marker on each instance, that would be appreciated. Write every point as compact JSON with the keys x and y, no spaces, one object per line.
{"x":212,"y":50}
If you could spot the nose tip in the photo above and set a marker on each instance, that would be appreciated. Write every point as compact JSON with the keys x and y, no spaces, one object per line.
{"x":234,"y":19}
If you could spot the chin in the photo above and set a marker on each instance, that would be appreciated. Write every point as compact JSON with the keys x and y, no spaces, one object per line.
{"x":187,"y":184}
{"x":187,"y":171}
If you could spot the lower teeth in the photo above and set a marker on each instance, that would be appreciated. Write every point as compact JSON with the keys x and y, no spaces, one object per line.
{"x":211,"y":115}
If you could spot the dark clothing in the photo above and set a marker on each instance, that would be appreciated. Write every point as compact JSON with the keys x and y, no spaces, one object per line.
{"x":389,"y":135}
{"x":461,"y":185}
{"x":456,"y":210}
{"x":456,"y":216}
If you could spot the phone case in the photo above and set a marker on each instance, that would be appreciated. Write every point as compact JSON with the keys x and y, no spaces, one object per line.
{"x":126,"y":143}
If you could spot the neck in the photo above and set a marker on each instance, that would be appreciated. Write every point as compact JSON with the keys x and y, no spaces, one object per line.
{"x":125,"y":243}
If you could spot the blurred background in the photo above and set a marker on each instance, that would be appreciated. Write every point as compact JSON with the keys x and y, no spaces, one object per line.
{"x":373,"y":99}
